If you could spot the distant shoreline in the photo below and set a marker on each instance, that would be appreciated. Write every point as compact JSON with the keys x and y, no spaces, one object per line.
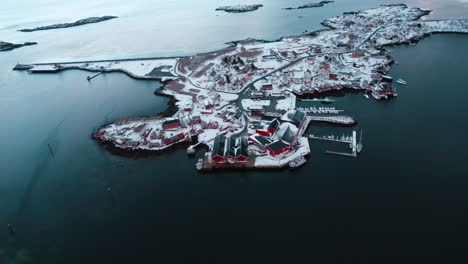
{"x":85,"y":21}
{"x":7,"y":46}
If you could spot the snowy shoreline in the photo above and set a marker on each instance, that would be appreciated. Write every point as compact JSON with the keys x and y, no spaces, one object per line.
{"x":221,"y":96}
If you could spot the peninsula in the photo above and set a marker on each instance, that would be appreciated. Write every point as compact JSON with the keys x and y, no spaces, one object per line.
{"x":239,"y":8}
{"x":89,"y":20}
{"x":240,"y":101}
{"x":6,"y":46}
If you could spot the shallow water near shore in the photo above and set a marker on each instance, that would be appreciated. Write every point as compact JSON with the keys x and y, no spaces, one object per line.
{"x":72,"y":201}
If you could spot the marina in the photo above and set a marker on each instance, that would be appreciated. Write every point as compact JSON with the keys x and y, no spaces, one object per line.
{"x":354,"y":144}
{"x":320,"y":110}
{"x":325,"y":100}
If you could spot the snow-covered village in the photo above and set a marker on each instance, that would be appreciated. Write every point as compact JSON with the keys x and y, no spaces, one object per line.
{"x":240,"y":102}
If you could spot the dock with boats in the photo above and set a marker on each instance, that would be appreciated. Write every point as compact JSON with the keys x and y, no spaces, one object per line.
{"x":354,"y":144}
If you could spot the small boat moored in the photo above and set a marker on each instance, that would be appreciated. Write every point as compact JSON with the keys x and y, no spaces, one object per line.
{"x":401,"y":81}
{"x":297,"y":162}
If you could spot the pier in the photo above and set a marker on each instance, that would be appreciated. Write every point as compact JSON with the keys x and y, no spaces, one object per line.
{"x":339,"y":119}
{"x":320,"y":110}
{"x":320,"y":100}
{"x":89,"y":78}
{"x":352,"y":155}
{"x":356,"y":147}
{"x":191,"y":149}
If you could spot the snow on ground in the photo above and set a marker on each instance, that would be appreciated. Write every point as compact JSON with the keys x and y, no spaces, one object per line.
{"x":289,"y":103}
{"x":246,"y":103}
{"x":136,"y":68}
{"x":228,"y":96}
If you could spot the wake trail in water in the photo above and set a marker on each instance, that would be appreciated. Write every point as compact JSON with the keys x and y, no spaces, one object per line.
{"x":46,"y":153}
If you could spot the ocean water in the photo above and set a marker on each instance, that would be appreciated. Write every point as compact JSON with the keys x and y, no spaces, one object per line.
{"x":403,"y":199}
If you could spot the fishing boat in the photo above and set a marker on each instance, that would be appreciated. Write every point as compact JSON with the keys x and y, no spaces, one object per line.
{"x":359,"y":145}
{"x":387,"y":78}
{"x":327,"y":100}
{"x":296,"y":163}
{"x":378,"y":95}
{"x":401,"y":81}
{"x":200,"y":164}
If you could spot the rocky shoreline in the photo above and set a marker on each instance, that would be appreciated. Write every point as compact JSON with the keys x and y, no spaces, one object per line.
{"x":311,"y":5}
{"x":89,"y":20}
{"x":7,"y":46}
{"x":239,"y":8}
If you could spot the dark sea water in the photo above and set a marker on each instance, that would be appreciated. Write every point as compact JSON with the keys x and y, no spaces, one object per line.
{"x":403,"y":200}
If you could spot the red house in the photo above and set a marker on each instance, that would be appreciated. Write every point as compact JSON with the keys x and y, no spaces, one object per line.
{"x":325,"y":66}
{"x":357,"y":54}
{"x":171,"y":124}
{"x":195,"y":120}
{"x":229,"y":149}
{"x":267,"y":87}
{"x":333,"y":77}
{"x":173,"y":139}
{"x":218,"y":149}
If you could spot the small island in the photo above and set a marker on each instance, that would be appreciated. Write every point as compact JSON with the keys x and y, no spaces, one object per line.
{"x":89,"y":20}
{"x":311,"y":5}
{"x":239,"y":8}
{"x":6,"y":46}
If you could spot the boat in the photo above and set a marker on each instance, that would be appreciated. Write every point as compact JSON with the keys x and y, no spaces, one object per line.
{"x":378,"y":96}
{"x":366,"y":96}
{"x":387,"y":78}
{"x":200,"y":164}
{"x":401,"y":81}
{"x":297,"y":162}
{"x":327,"y":100}
{"x":359,"y":145}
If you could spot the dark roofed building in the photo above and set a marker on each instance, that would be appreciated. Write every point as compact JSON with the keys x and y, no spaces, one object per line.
{"x":277,"y":148}
{"x":218,"y":148}
{"x":298,"y":117}
{"x":242,"y":153}
{"x":228,"y":148}
{"x":288,"y":135}
{"x":260,"y":141}
{"x":273,"y":126}
{"x":229,"y":152}
{"x":238,"y":114}
{"x":267,"y":87}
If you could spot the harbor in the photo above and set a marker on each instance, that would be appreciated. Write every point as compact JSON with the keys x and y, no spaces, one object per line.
{"x":354,"y":144}
{"x":61,"y":204}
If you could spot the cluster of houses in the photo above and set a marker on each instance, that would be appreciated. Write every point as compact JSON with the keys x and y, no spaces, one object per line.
{"x":274,"y":138}
{"x":271,"y":138}
{"x":232,"y":73}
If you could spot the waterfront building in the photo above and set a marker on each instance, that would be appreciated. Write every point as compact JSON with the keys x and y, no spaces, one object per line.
{"x":171,"y":124}
{"x":228,"y":149}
